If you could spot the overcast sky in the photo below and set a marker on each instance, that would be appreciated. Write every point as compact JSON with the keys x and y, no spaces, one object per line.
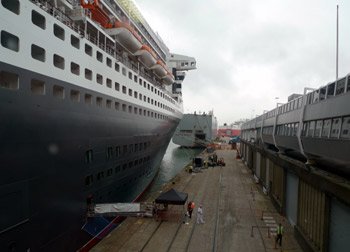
{"x":249,"y":52}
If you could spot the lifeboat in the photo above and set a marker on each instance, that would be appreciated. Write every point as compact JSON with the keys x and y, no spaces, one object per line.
{"x":168,"y":79}
{"x":147,"y":56}
{"x":160,"y":69}
{"x":97,"y":12}
{"x":126,"y":36}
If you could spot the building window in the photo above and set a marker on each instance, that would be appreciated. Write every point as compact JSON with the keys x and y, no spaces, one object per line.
{"x":58,"y":61}
{"x":58,"y":92}
{"x":124,"y":107}
{"x":109,"y":83}
{"x":89,"y":180}
{"x":124,"y":89}
{"x":345,"y":129}
{"x":140,"y":97}
{"x":135,"y":78}
{"x":326,"y":127}
{"x":75,"y":95}
{"x":37,"y":87}
{"x":99,"y":79}
{"x":130,"y":109}
{"x":11,"y":5}
{"x":38,"y":20}
{"x":130,"y":75}
{"x":99,"y":56}
{"x":58,"y":31}
{"x":135,"y":110}
{"x":88,"y":74}
{"x":109,"y":152}
{"x":135,"y":94}
{"x":9,"y":41}
{"x":75,"y":42}
{"x":336,"y":123}
{"x":109,"y":62}
{"x":9,"y":80}
{"x":38,"y":53}
{"x":117,"y":105}
{"x":74,"y":68}
{"x":124,"y":71}
{"x":88,"y":99}
{"x":88,"y":156}
{"x":88,"y":49}
{"x":130,"y":92}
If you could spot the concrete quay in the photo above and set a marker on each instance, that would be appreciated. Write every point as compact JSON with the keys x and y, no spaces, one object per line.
{"x":238,"y":216}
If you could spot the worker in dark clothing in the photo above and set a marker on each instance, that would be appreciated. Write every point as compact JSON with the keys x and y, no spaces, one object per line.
{"x":190,"y":207}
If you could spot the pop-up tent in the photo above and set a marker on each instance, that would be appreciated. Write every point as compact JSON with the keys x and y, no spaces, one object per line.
{"x":172,"y":197}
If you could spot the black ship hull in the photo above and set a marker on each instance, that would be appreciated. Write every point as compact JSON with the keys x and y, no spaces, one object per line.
{"x":56,"y":152}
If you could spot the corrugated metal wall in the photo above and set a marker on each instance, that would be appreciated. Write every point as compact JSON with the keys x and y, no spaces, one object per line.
{"x":311,"y":214}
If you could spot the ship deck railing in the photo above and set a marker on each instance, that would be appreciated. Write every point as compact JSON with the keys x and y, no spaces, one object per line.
{"x":62,"y":17}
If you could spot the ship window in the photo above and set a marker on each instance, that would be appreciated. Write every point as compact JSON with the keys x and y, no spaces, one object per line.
{"x":38,"y":53}
{"x":88,"y":180}
{"x":108,"y":103}
{"x":148,"y":113}
{"x":144,"y":112}
{"x":151,"y":89}
{"x":148,"y":86}
{"x":135,"y":110}
{"x":124,"y":107}
{"x":152,"y":101}
{"x":99,"y":79}
{"x":322,"y":93}
{"x":109,"y":153}
{"x":124,"y":71}
{"x":140,"y":97}
{"x":109,"y":83}
{"x":148,"y":100}
{"x":135,"y":94}
{"x":117,"y":105}
{"x":109,"y":62}
{"x":345,"y":132}
{"x":9,"y":41}
{"x":9,"y":80}
{"x":88,"y":49}
{"x":74,"y":68}
{"x":117,"y":67}
{"x":318,"y":128}
{"x":116,"y":86}
{"x":340,"y":86}
{"x":140,"y":81}
{"x":58,"y":61}
{"x":88,"y":74}
{"x":144,"y":84}
{"x":38,"y":20}
{"x":75,"y":42}
{"x":130,"y":92}
{"x":37,"y":87}
{"x":348,"y":84}
{"x":99,"y":56}
{"x":140,"y":111}
{"x":130,"y":109}
{"x":124,"y":89}
{"x":130,"y":75}
{"x":58,"y":92}
{"x":117,"y":151}
{"x":135,"y":78}
{"x":11,"y":5}
{"x":58,"y":31}
{"x":75,"y":95}
{"x":99,"y":101}
{"x":88,"y":99}
{"x":336,"y":123}
{"x":144,"y":98}
{"x":326,"y":127}
{"x":330,"y":89}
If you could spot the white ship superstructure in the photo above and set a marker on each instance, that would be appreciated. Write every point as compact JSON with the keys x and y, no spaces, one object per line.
{"x":88,"y":105}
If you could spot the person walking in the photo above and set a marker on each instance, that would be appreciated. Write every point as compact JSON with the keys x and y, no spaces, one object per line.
{"x":190,"y":207}
{"x":200,"y":215}
{"x":279,"y":235}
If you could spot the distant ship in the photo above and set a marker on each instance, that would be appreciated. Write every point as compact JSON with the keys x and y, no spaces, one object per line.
{"x":196,"y":130}
{"x":90,"y":97}
{"x":313,"y":127}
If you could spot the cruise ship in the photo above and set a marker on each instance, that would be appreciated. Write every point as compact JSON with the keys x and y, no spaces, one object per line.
{"x":313,"y":127}
{"x":90,"y":97}
{"x":196,"y":130}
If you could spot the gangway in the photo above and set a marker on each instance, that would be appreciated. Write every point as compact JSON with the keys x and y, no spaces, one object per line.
{"x":141,"y":209}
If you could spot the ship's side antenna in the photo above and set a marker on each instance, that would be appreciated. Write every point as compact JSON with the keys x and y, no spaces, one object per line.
{"x":337,"y":41}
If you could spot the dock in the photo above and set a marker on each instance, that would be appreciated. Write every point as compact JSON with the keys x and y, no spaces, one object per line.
{"x":238,"y":216}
